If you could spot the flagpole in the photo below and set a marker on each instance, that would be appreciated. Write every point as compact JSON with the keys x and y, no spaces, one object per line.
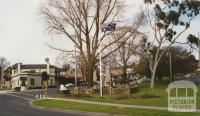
{"x":101,"y":83}
{"x":109,"y":27}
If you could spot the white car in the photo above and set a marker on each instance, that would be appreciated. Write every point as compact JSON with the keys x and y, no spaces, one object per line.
{"x":69,"y":85}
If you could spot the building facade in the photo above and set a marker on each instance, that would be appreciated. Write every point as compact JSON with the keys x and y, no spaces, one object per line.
{"x":28,"y":76}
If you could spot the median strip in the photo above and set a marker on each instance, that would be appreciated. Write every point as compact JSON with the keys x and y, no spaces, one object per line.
{"x":80,"y":105}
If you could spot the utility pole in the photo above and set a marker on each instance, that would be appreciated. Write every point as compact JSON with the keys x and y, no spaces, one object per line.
{"x":170,"y":63}
{"x":75,"y":67}
{"x":199,"y":52}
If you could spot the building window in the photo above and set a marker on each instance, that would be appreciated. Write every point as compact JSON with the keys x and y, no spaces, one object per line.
{"x":32,"y":82}
{"x":32,"y":71}
{"x":51,"y":81}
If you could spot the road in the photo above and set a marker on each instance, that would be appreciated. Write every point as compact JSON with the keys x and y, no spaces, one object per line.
{"x":17,"y":104}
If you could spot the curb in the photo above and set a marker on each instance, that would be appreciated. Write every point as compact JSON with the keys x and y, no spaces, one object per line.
{"x":6,"y":91}
{"x":74,"y":112}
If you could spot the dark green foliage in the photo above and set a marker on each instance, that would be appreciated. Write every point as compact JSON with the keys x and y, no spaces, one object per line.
{"x":167,"y":18}
{"x":169,"y":34}
{"x":160,"y":25}
{"x":193,"y":39}
{"x":182,"y":8}
{"x":173,"y":17}
{"x":182,"y":62}
{"x":162,"y":15}
{"x":148,"y":1}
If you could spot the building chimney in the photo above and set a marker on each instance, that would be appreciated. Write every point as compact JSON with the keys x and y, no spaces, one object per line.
{"x":19,"y":68}
{"x":13,"y":72}
{"x":48,"y":67}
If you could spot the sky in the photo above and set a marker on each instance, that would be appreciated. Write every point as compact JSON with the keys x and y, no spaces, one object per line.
{"x":22,"y":31}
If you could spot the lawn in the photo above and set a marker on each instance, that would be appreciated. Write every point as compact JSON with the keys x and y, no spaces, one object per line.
{"x":159,"y":92}
{"x":106,"y":109}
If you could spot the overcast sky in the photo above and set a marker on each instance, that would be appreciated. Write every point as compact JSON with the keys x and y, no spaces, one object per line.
{"x":22,"y":31}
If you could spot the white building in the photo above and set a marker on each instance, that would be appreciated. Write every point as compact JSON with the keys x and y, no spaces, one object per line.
{"x":28,"y":76}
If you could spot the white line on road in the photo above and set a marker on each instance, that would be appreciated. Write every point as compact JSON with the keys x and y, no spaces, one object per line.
{"x":19,"y":97}
{"x":24,"y":94}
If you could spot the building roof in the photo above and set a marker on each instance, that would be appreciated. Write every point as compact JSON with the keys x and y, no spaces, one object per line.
{"x":33,"y":66}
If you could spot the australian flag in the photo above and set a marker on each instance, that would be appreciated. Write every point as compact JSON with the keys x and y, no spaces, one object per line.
{"x":110,"y":27}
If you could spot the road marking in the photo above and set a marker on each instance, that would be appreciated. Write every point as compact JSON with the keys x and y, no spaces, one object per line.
{"x":24,"y":94}
{"x":39,"y":96}
{"x":19,"y":97}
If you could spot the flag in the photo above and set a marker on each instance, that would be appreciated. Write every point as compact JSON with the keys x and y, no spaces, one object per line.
{"x":110,"y":27}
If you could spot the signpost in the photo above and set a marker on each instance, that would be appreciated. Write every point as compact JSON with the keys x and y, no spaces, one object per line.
{"x":45,"y":78}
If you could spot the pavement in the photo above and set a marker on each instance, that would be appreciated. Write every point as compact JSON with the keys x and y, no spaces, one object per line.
{"x":18,"y":104}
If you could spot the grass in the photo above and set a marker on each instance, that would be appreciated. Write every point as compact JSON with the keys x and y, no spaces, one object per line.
{"x":106,"y":109}
{"x":160,"y":90}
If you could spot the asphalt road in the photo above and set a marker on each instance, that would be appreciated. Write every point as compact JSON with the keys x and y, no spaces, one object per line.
{"x":17,"y":104}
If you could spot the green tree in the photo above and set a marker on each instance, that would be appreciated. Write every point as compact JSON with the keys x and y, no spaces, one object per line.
{"x":182,"y":62}
{"x":163,"y":21}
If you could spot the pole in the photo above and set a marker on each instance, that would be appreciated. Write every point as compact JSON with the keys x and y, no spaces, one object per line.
{"x":199,"y":52}
{"x":75,"y":67}
{"x":199,"y":48}
{"x":170,"y":63}
{"x":101,"y":83}
{"x":46,"y":81}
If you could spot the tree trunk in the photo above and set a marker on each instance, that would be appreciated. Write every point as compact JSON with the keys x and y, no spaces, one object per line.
{"x":124,"y":73}
{"x":153,"y":78}
{"x":89,"y":74}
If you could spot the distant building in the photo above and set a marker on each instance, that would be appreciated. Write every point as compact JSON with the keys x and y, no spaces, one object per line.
{"x":118,"y":71}
{"x":28,"y":76}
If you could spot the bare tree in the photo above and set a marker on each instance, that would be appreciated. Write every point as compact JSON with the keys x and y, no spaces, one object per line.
{"x":3,"y":65}
{"x":81,"y":20}
{"x":164,"y":20}
{"x":127,"y":52}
